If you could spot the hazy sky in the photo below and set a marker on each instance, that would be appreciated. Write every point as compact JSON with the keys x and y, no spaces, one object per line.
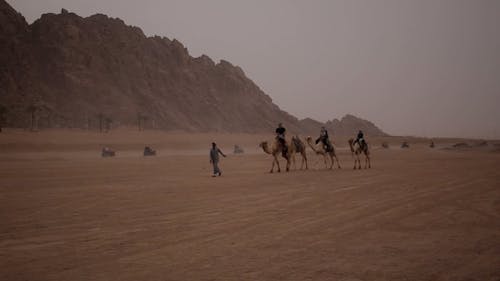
{"x":421,"y":67}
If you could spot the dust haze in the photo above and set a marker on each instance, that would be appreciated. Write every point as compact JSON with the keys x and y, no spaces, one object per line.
{"x":105,"y":200}
{"x":427,"y":68}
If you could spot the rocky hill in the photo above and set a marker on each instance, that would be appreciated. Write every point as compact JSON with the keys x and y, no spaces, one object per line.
{"x":76,"y":70}
{"x":349,"y":125}
{"x":68,"y":71}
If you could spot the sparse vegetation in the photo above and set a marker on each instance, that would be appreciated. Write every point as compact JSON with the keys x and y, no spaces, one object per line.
{"x":3,"y":111}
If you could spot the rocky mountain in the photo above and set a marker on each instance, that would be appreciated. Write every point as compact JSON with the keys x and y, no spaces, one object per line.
{"x":310,"y":127}
{"x":68,"y":71}
{"x":349,"y":125}
{"x":72,"y":71}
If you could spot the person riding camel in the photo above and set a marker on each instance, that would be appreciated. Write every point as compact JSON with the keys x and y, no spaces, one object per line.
{"x":323,"y":137}
{"x":360,"y":139}
{"x":280,"y":136}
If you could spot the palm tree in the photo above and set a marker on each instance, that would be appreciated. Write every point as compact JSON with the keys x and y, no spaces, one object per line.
{"x":33,"y":110}
{"x":108,"y":121}
{"x":141,"y":121}
{"x":101,"y":118}
{"x":3,"y":111}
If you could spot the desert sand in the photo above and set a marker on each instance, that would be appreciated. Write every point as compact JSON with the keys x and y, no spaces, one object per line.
{"x":68,"y":214}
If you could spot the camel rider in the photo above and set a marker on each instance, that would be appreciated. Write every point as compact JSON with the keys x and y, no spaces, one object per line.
{"x":280,"y":136}
{"x":360,"y":139}
{"x":323,"y":137}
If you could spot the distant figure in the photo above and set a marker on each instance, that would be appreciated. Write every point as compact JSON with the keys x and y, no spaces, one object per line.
{"x":405,"y":145}
{"x":432,"y":145}
{"x":385,"y":145}
{"x":280,"y":137}
{"x":323,"y":137}
{"x":214,"y":159}
{"x":360,"y":139}
{"x":107,"y":152}
{"x":149,"y":152}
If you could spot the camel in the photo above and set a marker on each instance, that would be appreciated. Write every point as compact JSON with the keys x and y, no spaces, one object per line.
{"x":360,"y":149}
{"x":275,"y":150}
{"x":320,"y":149}
{"x":297,"y":146}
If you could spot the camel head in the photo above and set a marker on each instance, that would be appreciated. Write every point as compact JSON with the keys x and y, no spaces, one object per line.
{"x":265,"y":147}
{"x":308,"y":139}
{"x":351,"y":141}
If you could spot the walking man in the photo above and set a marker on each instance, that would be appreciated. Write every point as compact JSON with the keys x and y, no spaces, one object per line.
{"x":214,"y":159}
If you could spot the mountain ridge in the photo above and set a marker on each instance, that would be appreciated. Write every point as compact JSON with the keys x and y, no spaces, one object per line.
{"x":64,"y":70}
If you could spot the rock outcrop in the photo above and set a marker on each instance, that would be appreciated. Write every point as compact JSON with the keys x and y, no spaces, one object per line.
{"x":97,"y":72}
{"x":349,"y":125}
{"x":84,"y":69}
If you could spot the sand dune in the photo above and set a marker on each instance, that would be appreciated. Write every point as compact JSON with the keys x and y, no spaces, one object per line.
{"x":68,"y":214}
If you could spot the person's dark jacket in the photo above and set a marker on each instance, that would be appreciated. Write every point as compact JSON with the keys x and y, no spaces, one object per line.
{"x":280,"y":131}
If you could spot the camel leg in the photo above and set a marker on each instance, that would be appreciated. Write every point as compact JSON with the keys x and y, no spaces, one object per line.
{"x":358,"y":162}
{"x":278,"y":163}
{"x":331,"y":162}
{"x":272,"y":167}
{"x":326,"y":164}
{"x":338,"y":163}
{"x":287,"y":162}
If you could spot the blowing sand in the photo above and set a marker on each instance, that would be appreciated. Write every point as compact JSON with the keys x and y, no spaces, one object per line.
{"x":68,"y":214}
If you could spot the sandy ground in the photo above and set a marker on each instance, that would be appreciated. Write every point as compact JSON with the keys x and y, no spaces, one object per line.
{"x":68,"y":214}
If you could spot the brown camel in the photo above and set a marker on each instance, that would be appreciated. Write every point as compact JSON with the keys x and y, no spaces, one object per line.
{"x":297,"y":146}
{"x":356,"y":152}
{"x":275,"y":150}
{"x":320,"y":149}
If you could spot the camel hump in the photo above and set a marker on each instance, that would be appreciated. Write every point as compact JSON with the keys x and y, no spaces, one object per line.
{"x":297,"y":142}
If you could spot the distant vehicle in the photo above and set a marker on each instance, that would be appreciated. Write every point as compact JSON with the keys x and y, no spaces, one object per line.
{"x":148,"y":151}
{"x":238,"y":149}
{"x":405,"y":145}
{"x":107,"y":152}
{"x":385,"y":145}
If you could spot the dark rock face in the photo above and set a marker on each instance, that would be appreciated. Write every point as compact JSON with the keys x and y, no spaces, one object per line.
{"x":310,"y":127}
{"x":97,"y":72}
{"x":349,"y":125}
{"x":83,"y":67}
